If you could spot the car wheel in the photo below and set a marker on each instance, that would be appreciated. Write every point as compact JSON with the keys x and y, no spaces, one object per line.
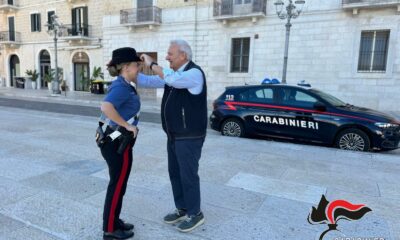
{"x":353,"y":139}
{"x":232,"y":127}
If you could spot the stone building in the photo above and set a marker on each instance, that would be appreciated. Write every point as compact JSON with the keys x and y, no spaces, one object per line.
{"x":349,"y":48}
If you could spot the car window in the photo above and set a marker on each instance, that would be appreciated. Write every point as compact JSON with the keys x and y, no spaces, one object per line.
{"x":257,"y":95}
{"x":329,"y":98}
{"x":299,"y":98}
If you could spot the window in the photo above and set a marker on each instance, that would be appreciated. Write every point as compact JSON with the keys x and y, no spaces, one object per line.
{"x":240,"y":55}
{"x":257,"y":95}
{"x":299,"y":99}
{"x":373,"y":51}
{"x":35,"y":22}
{"x":329,"y":98}
{"x":49,"y":14}
{"x":80,"y":22}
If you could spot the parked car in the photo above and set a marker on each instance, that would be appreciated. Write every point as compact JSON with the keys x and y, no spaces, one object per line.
{"x":302,"y":114}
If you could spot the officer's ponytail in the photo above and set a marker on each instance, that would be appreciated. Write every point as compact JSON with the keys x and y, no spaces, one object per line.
{"x":115,"y":70}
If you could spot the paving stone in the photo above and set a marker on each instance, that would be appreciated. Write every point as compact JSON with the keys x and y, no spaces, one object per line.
{"x":7,"y":225}
{"x":279,"y":188}
{"x":72,"y":185}
{"x":19,"y":169}
{"x":140,"y":179}
{"x":11,"y":191}
{"x":233,"y":198}
{"x":345,"y":181}
{"x":29,"y":233}
{"x":60,"y":216}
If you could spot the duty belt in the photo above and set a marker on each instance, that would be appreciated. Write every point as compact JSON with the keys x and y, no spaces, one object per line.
{"x":104,"y":122}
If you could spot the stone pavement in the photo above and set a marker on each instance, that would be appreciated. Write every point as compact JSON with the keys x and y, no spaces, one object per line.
{"x":53,"y":181}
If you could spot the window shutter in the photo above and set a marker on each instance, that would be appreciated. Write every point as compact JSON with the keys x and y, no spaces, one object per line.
{"x":32,"y":22}
{"x":85,"y":22}
{"x":39,"y":23}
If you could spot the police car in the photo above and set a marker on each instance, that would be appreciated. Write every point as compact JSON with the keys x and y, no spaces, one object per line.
{"x":304,"y":114}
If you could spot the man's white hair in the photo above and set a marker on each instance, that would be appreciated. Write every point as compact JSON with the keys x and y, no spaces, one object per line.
{"x":183,"y":47}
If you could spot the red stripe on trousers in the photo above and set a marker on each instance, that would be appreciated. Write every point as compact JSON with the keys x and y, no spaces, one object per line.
{"x":118,"y":190}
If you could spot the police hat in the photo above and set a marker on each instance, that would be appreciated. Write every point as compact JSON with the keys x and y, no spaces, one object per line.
{"x":123,"y":55}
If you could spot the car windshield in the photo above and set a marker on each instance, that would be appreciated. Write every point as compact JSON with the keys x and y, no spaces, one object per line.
{"x":329,"y":98}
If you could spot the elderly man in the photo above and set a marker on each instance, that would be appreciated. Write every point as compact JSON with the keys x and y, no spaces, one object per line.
{"x":184,"y":120}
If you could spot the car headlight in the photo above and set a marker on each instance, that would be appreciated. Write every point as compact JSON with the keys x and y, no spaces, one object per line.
{"x":386,"y":125}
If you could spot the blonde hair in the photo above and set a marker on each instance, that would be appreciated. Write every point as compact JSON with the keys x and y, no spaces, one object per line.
{"x":115,"y":70}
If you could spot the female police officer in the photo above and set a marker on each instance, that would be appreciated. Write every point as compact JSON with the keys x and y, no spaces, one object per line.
{"x":121,"y":104}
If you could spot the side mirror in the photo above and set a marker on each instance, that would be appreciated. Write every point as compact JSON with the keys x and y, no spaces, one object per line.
{"x":319,"y":106}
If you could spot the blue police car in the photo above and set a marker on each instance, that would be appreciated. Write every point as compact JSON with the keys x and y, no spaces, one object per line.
{"x":304,"y":114}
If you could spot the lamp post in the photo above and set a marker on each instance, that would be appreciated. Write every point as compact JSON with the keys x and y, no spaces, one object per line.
{"x":55,"y":28}
{"x":293,"y":10}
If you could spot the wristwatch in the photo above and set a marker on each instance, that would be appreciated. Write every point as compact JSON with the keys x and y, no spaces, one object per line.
{"x":151,"y":65}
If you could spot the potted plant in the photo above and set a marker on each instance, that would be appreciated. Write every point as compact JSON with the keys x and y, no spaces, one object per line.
{"x":97,"y":81}
{"x":34,"y":75}
{"x":85,"y":80}
{"x":52,"y":77}
{"x":48,"y":78}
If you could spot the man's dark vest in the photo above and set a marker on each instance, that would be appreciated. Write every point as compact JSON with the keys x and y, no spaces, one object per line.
{"x":184,"y":115}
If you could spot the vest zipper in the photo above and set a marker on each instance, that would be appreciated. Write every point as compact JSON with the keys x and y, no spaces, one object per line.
{"x":165,"y":113}
{"x":183,"y":118}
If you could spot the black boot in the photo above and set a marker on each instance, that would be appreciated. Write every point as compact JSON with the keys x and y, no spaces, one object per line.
{"x":117,"y":234}
{"x":125,"y":226}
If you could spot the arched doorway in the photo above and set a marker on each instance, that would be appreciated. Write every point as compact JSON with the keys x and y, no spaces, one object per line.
{"x":14,"y":69}
{"x":81,"y":71}
{"x":44,"y":58}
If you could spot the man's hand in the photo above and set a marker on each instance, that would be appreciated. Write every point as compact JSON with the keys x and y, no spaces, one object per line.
{"x":133,"y":129}
{"x":146,"y":59}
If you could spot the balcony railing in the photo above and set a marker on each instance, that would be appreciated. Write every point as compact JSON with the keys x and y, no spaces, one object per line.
{"x":231,"y":9}
{"x":10,"y":37}
{"x":141,"y":16}
{"x":76,"y":31}
{"x":369,"y":3}
{"x":8,"y":5}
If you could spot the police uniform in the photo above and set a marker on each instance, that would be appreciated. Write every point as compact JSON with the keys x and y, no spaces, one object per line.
{"x":123,"y":96}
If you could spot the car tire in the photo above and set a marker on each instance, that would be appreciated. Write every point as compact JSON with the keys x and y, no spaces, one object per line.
{"x":233,"y":128}
{"x":353,"y":139}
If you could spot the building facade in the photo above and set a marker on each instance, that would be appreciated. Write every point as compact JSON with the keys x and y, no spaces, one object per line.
{"x":27,"y":41}
{"x":349,"y":48}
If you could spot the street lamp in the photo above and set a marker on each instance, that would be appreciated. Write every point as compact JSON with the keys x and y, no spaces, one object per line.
{"x":55,"y":28}
{"x":292,"y":11}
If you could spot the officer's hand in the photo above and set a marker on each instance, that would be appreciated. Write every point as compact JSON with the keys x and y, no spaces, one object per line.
{"x":133,"y":129}
{"x":146,"y":59}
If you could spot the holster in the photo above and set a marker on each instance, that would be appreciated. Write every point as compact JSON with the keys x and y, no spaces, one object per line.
{"x":100,"y":136}
{"x":126,"y":139}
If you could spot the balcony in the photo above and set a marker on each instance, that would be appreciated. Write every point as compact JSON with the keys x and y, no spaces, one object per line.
{"x":76,"y":33}
{"x":10,"y":39}
{"x":239,"y":9}
{"x":355,"y":5}
{"x":7,"y":6}
{"x":137,"y":17}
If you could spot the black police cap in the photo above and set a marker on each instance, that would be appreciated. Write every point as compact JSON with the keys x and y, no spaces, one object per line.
{"x":123,"y":55}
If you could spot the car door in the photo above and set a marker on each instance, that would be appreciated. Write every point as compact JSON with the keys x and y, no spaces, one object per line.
{"x":260,"y":110}
{"x":296,"y":118}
